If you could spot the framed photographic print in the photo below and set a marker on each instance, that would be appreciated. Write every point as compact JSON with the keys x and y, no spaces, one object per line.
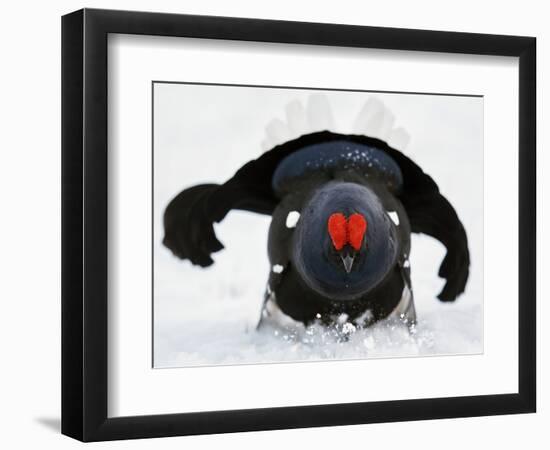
{"x":273,"y":224}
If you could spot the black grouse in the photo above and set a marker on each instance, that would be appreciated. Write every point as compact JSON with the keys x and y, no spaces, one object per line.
{"x":343,"y":208}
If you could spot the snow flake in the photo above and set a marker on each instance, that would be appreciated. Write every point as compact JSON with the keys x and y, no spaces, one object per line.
{"x":348,"y":328}
{"x":277,"y":268}
{"x":342,"y":318}
{"x":364,"y":318}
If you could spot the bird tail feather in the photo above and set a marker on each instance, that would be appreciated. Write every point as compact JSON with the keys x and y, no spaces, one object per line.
{"x":374,"y":119}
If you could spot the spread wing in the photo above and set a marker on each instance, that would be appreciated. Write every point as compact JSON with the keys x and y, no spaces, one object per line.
{"x":189,"y":217}
{"x":431,"y":213}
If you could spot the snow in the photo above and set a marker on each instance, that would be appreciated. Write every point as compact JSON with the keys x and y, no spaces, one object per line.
{"x":277,"y":268}
{"x":209,"y":316}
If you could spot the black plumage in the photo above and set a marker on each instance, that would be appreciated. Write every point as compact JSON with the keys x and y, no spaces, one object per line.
{"x":316,"y":176}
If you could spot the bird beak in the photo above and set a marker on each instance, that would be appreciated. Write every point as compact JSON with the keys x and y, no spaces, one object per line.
{"x":348,"y":261}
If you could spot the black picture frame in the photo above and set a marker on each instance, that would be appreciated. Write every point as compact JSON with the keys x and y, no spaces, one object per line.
{"x":84,"y":224}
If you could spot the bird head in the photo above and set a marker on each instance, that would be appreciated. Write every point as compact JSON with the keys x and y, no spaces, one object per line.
{"x":347,"y":235}
{"x":345,"y":244}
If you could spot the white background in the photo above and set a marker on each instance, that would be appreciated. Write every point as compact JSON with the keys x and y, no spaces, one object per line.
{"x":30,"y":229}
{"x":212,"y":319}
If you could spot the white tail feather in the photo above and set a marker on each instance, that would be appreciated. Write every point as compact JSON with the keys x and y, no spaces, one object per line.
{"x":277,"y":132}
{"x":319,"y":113}
{"x":369,"y":119}
{"x":374,"y":120}
{"x":296,"y":118}
{"x":387,"y":125}
{"x":399,"y":138}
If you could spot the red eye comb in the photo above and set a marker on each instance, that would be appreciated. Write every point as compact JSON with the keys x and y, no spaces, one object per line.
{"x":338,"y":230}
{"x":350,"y":231}
{"x":357,"y":226}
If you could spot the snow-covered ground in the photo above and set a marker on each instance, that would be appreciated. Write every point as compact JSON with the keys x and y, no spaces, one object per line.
{"x":209,"y":316}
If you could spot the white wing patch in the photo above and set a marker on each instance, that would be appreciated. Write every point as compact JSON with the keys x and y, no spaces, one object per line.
{"x":292,"y":219}
{"x":394,"y":217}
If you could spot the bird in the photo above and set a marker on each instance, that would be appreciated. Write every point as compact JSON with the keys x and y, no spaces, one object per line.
{"x":343,"y":208}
